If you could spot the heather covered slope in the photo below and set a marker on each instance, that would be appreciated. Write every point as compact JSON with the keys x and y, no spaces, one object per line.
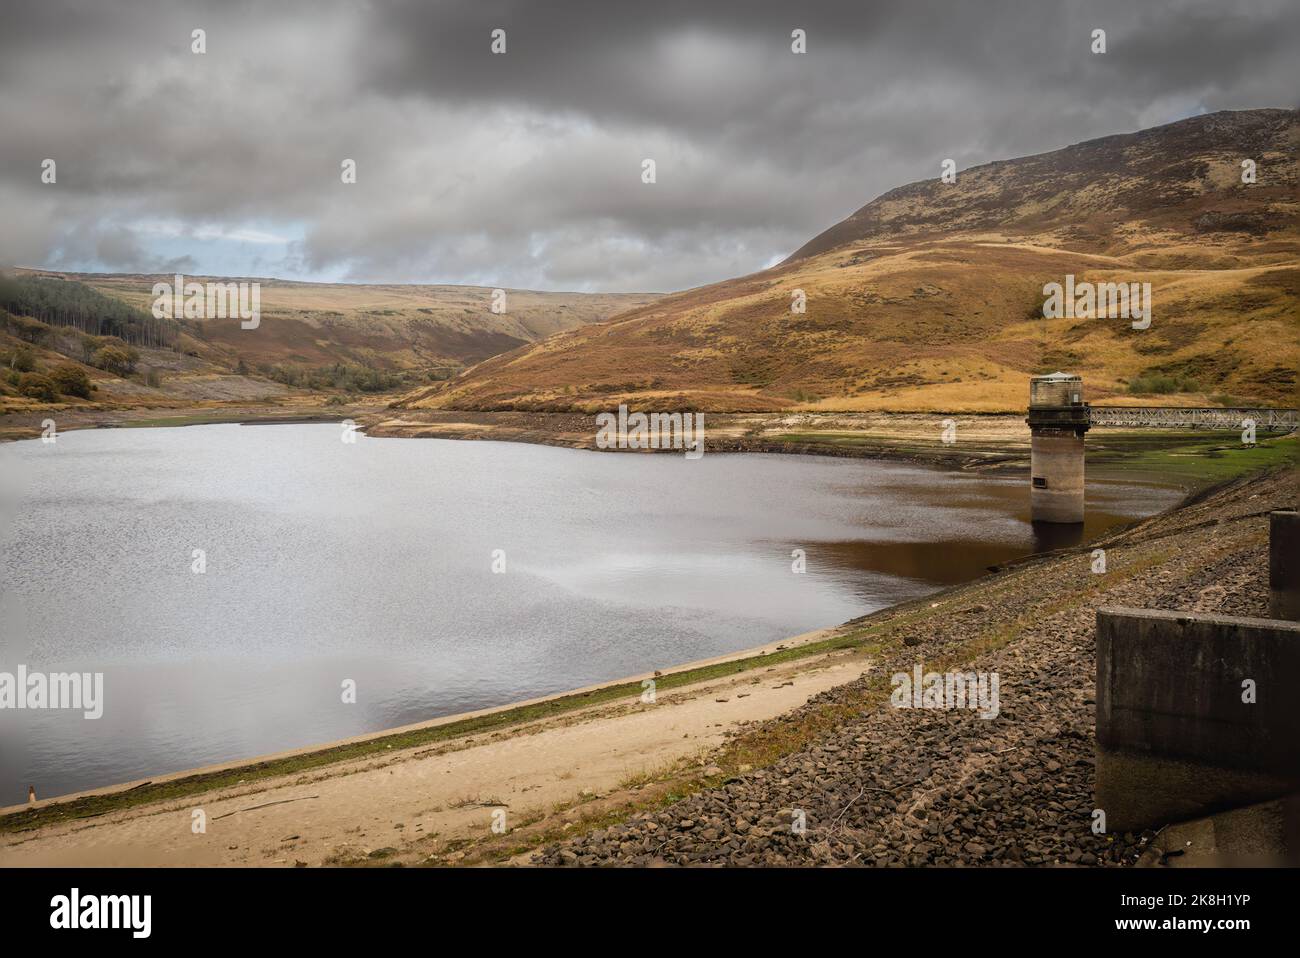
{"x":1089,"y":195}
{"x":396,"y":326}
{"x":930,"y":297}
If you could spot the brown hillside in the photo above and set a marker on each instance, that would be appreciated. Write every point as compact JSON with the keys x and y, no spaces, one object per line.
{"x":930,"y":297}
{"x":406,"y":334}
{"x":386,"y":327}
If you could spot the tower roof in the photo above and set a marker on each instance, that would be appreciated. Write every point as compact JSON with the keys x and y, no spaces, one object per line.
{"x":1056,"y":377}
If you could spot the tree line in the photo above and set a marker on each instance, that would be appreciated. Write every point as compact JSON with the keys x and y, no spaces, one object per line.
{"x":62,"y":302}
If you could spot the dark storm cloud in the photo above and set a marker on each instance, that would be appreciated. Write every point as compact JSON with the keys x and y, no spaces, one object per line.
{"x":524,"y":169}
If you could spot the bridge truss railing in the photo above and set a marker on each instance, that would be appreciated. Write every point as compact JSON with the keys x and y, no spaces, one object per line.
{"x":1266,"y":419}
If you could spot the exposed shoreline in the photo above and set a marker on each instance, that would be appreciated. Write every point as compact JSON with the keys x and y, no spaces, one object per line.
{"x":987,"y":442}
{"x":996,"y":443}
{"x":988,"y":439}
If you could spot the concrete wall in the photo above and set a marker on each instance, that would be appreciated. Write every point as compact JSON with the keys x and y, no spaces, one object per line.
{"x":1284,"y":565}
{"x":1056,"y":458}
{"x":1175,"y":739}
{"x":1055,"y":392}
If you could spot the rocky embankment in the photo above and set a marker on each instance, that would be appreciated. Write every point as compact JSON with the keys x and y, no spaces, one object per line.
{"x":891,"y":786}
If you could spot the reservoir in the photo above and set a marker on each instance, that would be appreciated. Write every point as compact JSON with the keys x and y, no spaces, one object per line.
{"x":231,"y":581}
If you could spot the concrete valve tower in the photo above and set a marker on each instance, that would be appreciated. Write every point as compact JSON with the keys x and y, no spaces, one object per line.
{"x":1058,"y":418}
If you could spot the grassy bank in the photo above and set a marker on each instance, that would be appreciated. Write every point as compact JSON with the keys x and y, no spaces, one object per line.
{"x":1195,"y":458}
{"x":1191,"y":459}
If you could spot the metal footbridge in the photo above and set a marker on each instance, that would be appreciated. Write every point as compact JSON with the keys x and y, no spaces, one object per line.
{"x":1266,"y":418}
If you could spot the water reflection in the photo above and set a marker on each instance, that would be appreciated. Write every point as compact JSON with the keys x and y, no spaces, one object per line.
{"x":373,"y":562}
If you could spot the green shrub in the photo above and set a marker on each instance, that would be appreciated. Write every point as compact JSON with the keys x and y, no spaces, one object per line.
{"x":343,"y":377}
{"x":114,"y":359}
{"x":71,"y":380}
{"x":38,"y":387}
{"x":24,"y":327}
{"x":1161,"y":385}
{"x":21,"y":359}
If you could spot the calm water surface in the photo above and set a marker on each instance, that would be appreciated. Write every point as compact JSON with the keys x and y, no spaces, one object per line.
{"x":372,"y":561}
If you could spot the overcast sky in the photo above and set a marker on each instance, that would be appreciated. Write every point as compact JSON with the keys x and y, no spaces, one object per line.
{"x":524,"y":169}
